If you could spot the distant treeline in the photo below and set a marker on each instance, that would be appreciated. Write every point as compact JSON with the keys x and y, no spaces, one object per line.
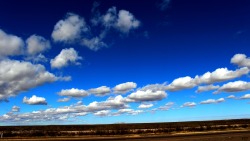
{"x":120,"y":129}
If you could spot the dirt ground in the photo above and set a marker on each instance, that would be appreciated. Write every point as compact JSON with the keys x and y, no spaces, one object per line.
{"x":226,"y":136}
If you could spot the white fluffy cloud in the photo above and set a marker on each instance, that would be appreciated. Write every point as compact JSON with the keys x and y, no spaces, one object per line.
{"x":246,"y":96}
{"x":241,"y":60}
{"x":10,"y":44}
{"x":100,"y":91}
{"x":207,"y":88}
{"x":189,"y":104}
{"x":73,"y":93}
{"x":148,"y":95}
{"x":182,"y":83}
{"x":212,"y":101}
{"x":126,"y":21}
{"x":124,"y":87}
{"x":155,"y":87}
{"x":66,"y":56}
{"x":19,"y":76}
{"x":37,"y":44}
{"x":102,"y":113}
{"x":222,"y":74}
{"x":235,"y":86}
{"x":145,"y":106}
{"x":94,"y":43}
{"x":15,"y":109}
{"x":34,"y":100}
{"x":231,"y":97}
{"x":128,"y":111}
{"x":69,"y":29}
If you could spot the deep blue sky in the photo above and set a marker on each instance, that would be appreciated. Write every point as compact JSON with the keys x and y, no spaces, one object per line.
{"x":174,"y":39}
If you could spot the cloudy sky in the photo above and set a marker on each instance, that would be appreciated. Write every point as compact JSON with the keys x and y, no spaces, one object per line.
{"x":92,"y":62}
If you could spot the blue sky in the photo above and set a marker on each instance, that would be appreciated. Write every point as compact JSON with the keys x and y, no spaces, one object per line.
{"x":98,"y":62}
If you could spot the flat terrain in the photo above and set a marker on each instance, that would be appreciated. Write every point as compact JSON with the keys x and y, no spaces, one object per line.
{"x":220,"y":136}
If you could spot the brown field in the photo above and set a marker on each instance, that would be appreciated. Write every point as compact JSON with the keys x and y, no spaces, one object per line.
{"x":219,"y":130}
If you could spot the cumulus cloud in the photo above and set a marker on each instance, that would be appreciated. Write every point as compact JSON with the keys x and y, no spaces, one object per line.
{"x":37,"y":44}
{"x":127,"y":111}
{"x":189,"y":104}
{"x":73,"y":92}
{"x":165,"y":107}
{"x":221,"y":74}
{"x":102,"y":113}
{"x":126,"y":21}
{"x":69,"y":29}
{"x":231,"y":97}
{"x":182,"y":83}
{"x":100,"y":91}
{"x":20,"y":76}
{"x":94,"y":43}
{"x":124,"y":87}
{"x":65,"y":99}
{"x":148,"y":95}
{"x":246,"y":96}
{"x":10,"y":45}
{"x":235,"y":86}
{"x":206,"y":88}
{"x":154,"y":87}
{"x":67,"y":56}
{"x":35,"y":100}
{"x":212,"y":101}
{"x":241,"y":60}
{"x":15,"y":109}
{"x":145,"y":106}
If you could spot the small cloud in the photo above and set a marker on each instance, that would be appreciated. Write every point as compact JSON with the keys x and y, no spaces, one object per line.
{"x":15,"y":109}
{"x":73,"y":93}
{"x":66,"y":99}
{"x":124,"y":87}
{"x":126,"y":21}
{"x":246,"y":96}
{"x":100,"y":91}
{"x":166,"y":107}
{"x":69,"y":29}
{"x":241,"y":60}
{"x":212,"y":101}
{"x":34,"y":100}
{"x":37,"y":44}
{"x":102,"y":113}
{"x":206,"y":88}
{"x":189,"y":104}
{"x":148,"y":95}
{"x":235,"y":86}
{"x":145,"y":106}
{"x":66,"y":56}
{"x":231,"y":97}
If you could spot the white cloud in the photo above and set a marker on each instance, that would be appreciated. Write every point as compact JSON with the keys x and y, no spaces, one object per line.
{"x":246,"y":96}
{"x":128,"y":111}
{"x":69,"y":29}
{"x":231,"y":97}
{"x":34,"y":100}
{"x":235,"y":86}
{"x":102,"y":113}
{"x":126,"y":21}
{"x":221,"y":74}
{"x":189,"y":104}
{"x":124,"y":87}
{"x":36,"y":59}
{"x":206,"y":88}
{"x":110,"y":18}
{"x":10,"y":45}
{"x":145,"y":106}
{"x":212,"y":101}
{"x":20,"y":76}
{"x":15,"y":109}
{"x":73,"y":92}
{"x":65,"y":99}
{"x":167,"y":106}
{"x":181,"y":83}
{"x":154,"y":87}
{"x":94,"y":43}
{"x":241,"y":60}
{"x":148,"y":95}
{"x":37,"y":44}
{"x":66,"y":56}
{"x":100,"y":91}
